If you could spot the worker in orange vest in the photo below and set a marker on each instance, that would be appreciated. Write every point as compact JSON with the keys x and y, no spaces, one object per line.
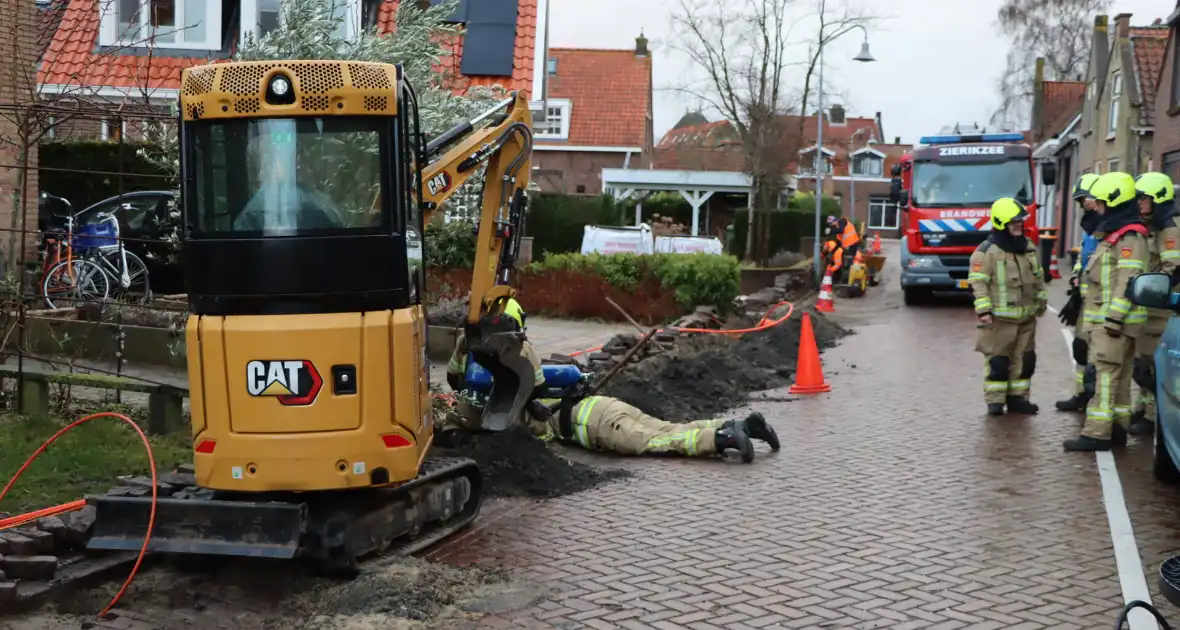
{"x":876,"y":243}
{"x":845,"y":231}
{"x":834,"y":255}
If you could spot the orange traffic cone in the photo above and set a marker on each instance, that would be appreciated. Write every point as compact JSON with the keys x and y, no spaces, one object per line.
{"x":1053,"y":271}
{"x":824,"y":303}
{"x":876,"y":243}
{"x":809,"y":374}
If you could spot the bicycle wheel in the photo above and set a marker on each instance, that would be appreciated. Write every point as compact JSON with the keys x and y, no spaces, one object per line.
{"x":74,"y":282}
{"x":139,"y":289}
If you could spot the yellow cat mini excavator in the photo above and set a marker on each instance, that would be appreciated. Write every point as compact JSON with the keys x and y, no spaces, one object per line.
{"x":306,"y":188}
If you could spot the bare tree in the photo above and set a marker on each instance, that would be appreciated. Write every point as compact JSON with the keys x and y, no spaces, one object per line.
{"x":1058,"y":30}
{"x":742,"y":49}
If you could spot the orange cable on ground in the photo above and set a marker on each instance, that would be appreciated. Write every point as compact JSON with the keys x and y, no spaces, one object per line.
{"x":21,"y":519}
{"x":155,"y":492}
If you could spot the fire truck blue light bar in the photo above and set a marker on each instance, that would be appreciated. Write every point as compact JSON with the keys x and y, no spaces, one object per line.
{"x":986,"y":137}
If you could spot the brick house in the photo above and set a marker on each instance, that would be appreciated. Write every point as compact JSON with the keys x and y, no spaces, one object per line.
{"x":599,"y":115}
{"x":17,"y":89}
{"x":1166,"y":144}
{"x":1118,"y":112}
{"x":1056,"y":107}
{"x":856,"y":160}
{"x":89,"y":58}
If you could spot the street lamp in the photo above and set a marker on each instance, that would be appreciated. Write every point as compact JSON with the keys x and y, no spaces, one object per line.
{"x":864,"y":56}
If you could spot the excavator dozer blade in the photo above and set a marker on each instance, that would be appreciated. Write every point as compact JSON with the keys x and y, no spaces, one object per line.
{"x":500,"y":350}
{"x":228,"y":528}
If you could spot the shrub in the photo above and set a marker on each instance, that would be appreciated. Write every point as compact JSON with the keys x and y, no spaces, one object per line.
{"x":556,"y":222}
{"x":450,"y":245}
{"x":696,"y":278}
{"x":87,"y":171}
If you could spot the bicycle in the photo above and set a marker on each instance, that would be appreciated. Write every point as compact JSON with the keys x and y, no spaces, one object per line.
{"x":106,"y":269}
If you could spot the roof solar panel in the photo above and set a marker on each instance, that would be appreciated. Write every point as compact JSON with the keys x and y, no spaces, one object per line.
{"x":492,"y":12}
{"x":488,"y":50}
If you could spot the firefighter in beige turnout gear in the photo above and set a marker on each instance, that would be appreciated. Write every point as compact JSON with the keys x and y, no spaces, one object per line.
{"x":1115,"y":323}
{"x":1009,"y":288}
{"x":1071,"y":313}
{"x":1156,"y":197}
{"x":602,"y":423}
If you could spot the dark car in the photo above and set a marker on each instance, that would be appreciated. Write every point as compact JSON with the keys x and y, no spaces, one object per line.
{"x":1154,"y":290}
{"x":141,"y":216}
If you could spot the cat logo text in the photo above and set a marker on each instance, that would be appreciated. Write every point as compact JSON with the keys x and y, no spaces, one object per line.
{"x":294,"y":383}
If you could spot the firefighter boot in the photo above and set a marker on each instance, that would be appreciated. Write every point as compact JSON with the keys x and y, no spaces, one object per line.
{"x":1118,"y":435}
{"x":1086,"y":444}
{"x":1140,"y":425}
{"x":733,"y":435}
{"x":995,"y":409}
{"x":1020,"y":404}
{"x":759,"y":429}
{"x":1077,"y":402}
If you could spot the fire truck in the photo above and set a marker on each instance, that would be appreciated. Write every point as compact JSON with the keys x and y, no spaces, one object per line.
{"x":945,"y":188}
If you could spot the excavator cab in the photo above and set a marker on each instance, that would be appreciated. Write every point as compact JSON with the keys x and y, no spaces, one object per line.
{"x":306,"y":190}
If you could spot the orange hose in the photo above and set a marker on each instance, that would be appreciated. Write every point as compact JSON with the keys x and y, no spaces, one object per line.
{"x":21,"y":519}
{"x":155,"y":492}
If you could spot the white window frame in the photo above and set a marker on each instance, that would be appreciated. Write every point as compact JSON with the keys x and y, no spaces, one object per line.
{"x":805,"y":157}
{"x":1112,"y":165}
{"x":51,"y":133}
{"x":563,"y":105}
{"x":883,"y":204}
{"x":1116,"y":94}
{"x":104,"y":129}
{"x":877,"y":157}
{"x":109,"y":35}
{"x":352,"y":19}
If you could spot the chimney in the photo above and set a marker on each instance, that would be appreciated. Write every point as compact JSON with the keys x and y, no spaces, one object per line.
{"x":1038,"y":104}
{"x":1122,"y":25}
{"x":1100,"y":49}
{"x":896,"y":139}
{"x":641,"y":45}
{"x":836,"y":114}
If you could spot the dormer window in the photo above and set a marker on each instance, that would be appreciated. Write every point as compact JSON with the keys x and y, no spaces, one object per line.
{"x":161,"y":23}
{"x":555,"y":124}
{"x":267,"y":17}
{"x":807,"y":161}
{"x":868,"y":162}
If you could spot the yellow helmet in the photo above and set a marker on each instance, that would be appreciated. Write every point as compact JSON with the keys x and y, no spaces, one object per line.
{"x":514,"y":310}
{"x":1156,"y":186}
{"x":1114,"y":189}
{"x":1082,"y":189}
{"x":1005,"y":211}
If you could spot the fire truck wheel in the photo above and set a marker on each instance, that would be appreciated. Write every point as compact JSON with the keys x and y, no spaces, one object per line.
{"x":915,"y":295}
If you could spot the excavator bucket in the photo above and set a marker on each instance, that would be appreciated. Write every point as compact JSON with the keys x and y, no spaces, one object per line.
{"x":215,"y":527}
{"x":497,"y":345}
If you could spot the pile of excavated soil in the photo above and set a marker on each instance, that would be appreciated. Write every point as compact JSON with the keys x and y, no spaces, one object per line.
{"x":706,"y":375}
{"x":514,"y":463}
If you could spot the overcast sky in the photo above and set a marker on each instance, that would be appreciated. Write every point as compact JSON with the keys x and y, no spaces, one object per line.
{"x":951,"y":45}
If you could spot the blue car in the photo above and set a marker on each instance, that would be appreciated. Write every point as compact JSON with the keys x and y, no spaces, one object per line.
{"x":1154,"y":290}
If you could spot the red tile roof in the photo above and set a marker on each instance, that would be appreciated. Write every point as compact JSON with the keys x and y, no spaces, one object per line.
{"x":714,"y":145}
{"x":610,"y":92}
{"x":71,"y":57}
{"x":1062,"y":101}
{"x":1147,"y":47}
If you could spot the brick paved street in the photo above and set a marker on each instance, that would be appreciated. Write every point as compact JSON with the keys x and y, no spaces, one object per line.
{"x":894,"y":503}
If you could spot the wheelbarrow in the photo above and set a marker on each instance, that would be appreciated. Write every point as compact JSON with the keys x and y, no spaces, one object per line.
{"x":874,"y":263}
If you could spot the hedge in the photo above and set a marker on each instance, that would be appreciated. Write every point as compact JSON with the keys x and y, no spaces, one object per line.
{"x":694,"y":278}
{"x":87,"y":171}
{"x":556,"y":221}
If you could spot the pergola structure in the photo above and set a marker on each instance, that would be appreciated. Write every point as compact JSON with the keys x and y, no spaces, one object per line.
{"x":695,"y":186}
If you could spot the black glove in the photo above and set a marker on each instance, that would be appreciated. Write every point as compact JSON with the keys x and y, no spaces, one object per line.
{"x":1069,"y":313}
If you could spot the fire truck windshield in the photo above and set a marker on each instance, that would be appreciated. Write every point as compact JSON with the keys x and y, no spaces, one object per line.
{"x":971,"y":185}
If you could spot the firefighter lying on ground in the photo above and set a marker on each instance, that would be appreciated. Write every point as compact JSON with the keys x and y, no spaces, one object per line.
{"x":1009,"y":288}
{"x":1115,"y":323}
{"x":1071,"y":313}
{"x":602,"y":423}
{"x":1156,"y":197}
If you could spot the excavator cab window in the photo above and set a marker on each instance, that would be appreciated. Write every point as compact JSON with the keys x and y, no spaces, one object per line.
{"x":275,"y":177}
{"x":409,"y":140}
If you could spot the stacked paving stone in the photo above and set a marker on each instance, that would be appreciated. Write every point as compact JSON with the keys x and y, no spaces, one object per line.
{"x":33,"y":552}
